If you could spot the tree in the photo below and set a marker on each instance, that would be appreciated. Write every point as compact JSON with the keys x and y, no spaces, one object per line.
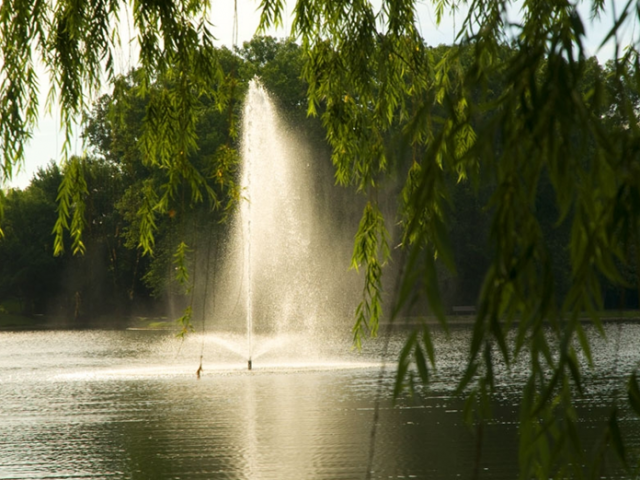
{"x":102,"y":282}
{"x":371,"y":75}
{"x":28,"y":271}
{"x":77,"y":42}
{"x":115,"y":127}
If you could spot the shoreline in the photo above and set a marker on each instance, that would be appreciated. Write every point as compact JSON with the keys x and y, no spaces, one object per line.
{"x":15,"y":322}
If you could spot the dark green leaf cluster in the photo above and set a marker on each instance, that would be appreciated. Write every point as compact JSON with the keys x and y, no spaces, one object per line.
{"x":29,"y":274}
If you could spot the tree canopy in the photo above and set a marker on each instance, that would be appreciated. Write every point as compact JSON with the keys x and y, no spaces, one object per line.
{"x":554,"y":120}
{"x":119,"y":278}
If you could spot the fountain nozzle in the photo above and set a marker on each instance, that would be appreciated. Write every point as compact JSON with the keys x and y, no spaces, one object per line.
{"x":249,"y":364}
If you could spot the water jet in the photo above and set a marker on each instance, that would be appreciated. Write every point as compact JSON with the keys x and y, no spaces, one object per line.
{"x":286,"y":287}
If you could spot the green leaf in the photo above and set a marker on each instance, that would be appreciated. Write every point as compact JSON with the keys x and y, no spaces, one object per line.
{"x":616,"y":437}
{"x":633,"y":393}
{"x":421,"y":363}
{"x":403,"y":365}
{"x":185,"y":322}
{"x":431,"y":287}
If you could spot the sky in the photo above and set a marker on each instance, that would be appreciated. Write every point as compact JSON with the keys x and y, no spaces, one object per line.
{"x":48,"y":139}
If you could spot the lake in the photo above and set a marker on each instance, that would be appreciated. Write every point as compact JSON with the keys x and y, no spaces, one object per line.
{"x":128,"y":405}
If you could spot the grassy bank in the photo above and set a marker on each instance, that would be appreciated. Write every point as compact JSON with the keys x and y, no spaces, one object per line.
{"x":17,"y":321}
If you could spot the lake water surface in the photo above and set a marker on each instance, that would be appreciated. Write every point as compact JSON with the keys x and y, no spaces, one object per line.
{"x":128,"y":405}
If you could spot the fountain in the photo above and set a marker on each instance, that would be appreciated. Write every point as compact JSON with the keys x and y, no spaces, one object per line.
{"x":285,"y":278}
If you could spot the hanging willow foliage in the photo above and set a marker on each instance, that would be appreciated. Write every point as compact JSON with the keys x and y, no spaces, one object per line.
{"x":555,"y":116}
{"x":77,"y":43}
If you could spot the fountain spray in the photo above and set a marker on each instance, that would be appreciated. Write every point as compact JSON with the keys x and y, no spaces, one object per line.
{"x":275,"y":233}
{"x":246,"y":183}
{"x":248,"y":266}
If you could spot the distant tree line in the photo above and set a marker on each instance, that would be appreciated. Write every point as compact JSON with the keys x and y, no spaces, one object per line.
{"x":114,"y":277}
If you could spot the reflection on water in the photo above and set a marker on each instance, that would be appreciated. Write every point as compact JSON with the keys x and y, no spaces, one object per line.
{"x":128,"y":405}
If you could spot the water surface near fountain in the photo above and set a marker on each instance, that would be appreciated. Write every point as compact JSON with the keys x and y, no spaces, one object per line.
{"x":136,"y":353}
{"x":127,"y":405}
